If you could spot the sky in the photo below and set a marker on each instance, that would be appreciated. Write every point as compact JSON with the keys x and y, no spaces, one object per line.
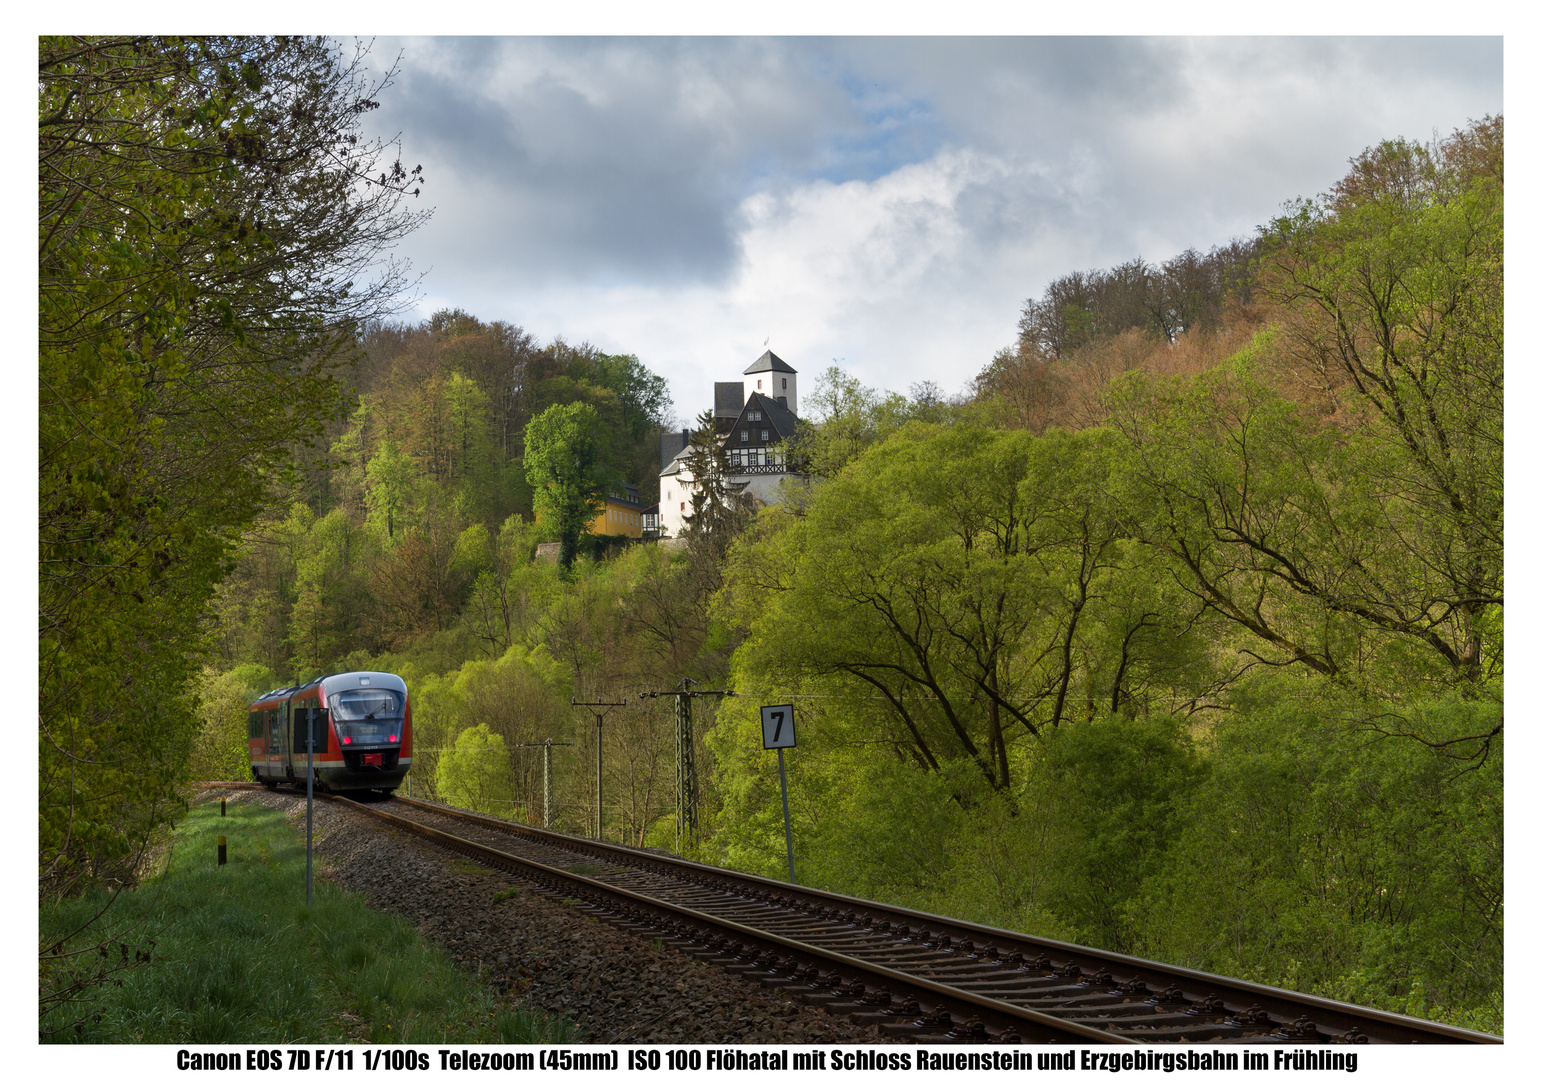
{"x":886,"y":204}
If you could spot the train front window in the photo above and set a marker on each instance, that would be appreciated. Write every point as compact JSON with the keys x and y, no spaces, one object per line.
{"x":368,"y":717}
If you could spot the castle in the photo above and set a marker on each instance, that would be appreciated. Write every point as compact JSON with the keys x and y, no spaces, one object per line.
{"x":752,"y":419}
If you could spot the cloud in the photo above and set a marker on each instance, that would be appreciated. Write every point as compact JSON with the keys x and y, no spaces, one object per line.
{"x":890,"y":202}
{"x":583,"y":159}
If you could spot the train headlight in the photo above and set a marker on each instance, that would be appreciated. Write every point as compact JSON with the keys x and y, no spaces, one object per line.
{"x":392,"y":738}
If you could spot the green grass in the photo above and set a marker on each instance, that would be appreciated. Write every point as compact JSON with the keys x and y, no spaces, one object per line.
{"x":237,"y":957}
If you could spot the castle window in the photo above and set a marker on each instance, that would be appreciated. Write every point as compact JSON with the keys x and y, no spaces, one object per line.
{"x":784,"y":384}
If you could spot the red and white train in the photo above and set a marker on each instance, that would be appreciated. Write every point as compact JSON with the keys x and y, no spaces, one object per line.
{"x":363,"y":731}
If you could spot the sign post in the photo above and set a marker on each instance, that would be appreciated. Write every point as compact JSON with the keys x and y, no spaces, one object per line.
{"x":776,"y":731}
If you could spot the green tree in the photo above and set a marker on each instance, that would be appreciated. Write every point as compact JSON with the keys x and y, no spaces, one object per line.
{"x":222,"y":751}
{"x":980,"y":583}
{"x":644,"y":394}
{"x":1318,"y":854}
{"x":719,"y":509}
{"x":1394,"y":287}
{"x":472,"y":470}
{"x":1297,"y":532}
{"x":334,"y":611}
{"x":496,"y":610}
{"x":1112,"y":792}
{"x":211,"y":224}
{"x":847,"y":418}
{"x":391,"y":492}
{"x":475,"y":774}
{"x":565,"y":463}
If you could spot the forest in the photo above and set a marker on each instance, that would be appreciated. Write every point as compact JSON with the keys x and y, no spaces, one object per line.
{"x":1179,"y":632}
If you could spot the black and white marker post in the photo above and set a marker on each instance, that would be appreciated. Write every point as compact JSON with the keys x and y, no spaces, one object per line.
{"x":777,"y":734}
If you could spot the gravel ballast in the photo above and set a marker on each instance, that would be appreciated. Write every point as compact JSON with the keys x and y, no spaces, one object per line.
{"x":539,"y":953}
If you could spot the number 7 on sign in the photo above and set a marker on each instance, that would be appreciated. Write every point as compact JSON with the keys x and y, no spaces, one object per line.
{"x":777,"y":728}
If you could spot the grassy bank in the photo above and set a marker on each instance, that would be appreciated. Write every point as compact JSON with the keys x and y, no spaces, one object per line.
{"x":237,"y":957}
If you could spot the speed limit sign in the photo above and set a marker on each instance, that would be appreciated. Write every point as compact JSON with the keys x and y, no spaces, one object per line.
{"x":776,"y":727}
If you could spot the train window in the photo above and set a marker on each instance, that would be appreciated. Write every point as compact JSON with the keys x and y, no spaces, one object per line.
{"x":368,"y":717}
{"x":369,"y":704}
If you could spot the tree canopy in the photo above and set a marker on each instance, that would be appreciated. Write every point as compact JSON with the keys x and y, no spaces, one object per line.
{"x":565,"y":463}
{"x":213,"y":229}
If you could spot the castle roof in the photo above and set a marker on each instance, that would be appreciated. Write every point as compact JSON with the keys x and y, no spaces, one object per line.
{"x":769,"y":361}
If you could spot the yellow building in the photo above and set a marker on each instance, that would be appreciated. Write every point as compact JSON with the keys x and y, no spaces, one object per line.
{"x":622,"y":515}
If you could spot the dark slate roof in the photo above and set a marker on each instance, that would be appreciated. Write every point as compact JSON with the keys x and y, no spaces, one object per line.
{"x":782,"y":421}
{"x":728,"y":398}
{"x":670,"y":444}
{"x":677,"y":462}
{"x":769,"y":361}
{"x":779,"y":416}
{"x":627,"y":496}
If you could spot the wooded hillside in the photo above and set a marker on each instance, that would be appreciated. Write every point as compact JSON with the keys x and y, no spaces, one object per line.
{"x":1181,"y":635}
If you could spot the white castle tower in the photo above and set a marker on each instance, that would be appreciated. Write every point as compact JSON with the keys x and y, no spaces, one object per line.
{"x":772,"y":377}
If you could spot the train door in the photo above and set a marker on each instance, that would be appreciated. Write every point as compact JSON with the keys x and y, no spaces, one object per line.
{"x":275,"y":747}
{"x":281,"y":723}
{"x":256,"y":742}
{"x":301,"y":715}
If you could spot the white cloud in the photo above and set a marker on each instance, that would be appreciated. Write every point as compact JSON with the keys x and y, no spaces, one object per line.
{"x":887,"y":202}
{"x":885,"y":275}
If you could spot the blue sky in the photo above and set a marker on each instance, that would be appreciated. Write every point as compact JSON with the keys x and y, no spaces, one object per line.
{"x":885,"y":203}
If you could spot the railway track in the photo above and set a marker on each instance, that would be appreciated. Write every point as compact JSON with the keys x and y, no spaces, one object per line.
{"x":914,"y":975}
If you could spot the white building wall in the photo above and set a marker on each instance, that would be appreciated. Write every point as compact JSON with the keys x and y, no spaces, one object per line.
{"x":771,"y":386}
{"x":675,"y":491}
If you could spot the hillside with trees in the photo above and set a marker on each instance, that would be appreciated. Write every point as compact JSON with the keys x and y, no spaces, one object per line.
{"x":1181,"y":634}
{"x":1183,"y":644}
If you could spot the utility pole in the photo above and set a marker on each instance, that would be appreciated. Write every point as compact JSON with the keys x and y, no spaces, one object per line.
{"x":545,"y":748}
{"x":685,"y":756}
{"x":546,"y":784}
{"x":599,"y":708}
{"x":685,"y":771}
